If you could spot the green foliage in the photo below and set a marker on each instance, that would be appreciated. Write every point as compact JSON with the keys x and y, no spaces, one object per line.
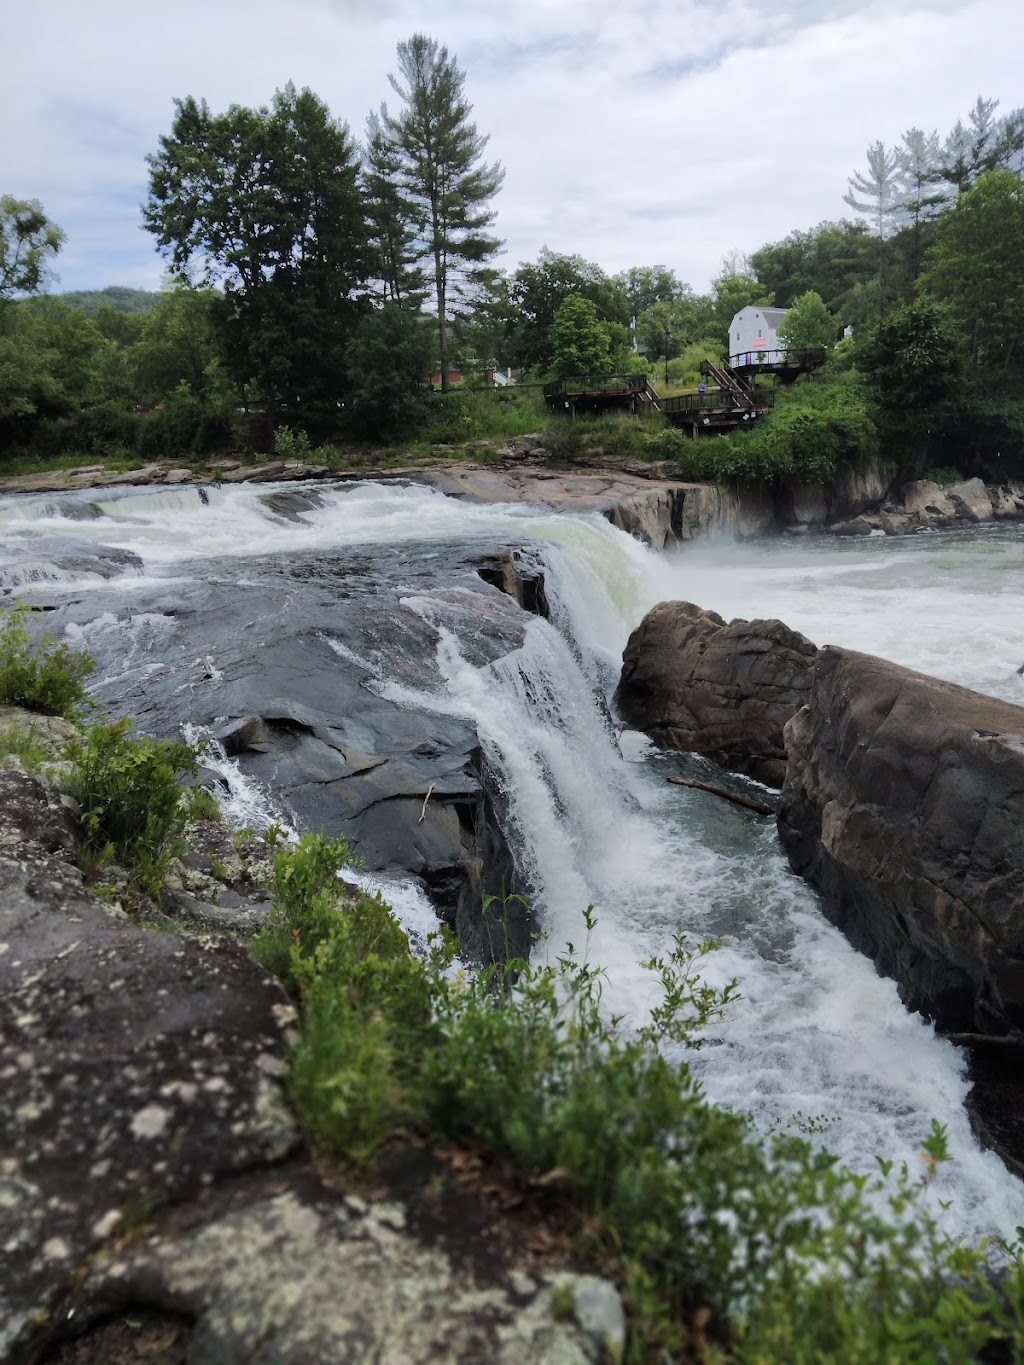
{"x":21,"y":742}
{"x":40,"y":674}
{"x":914,"y":362}
{"x":27,"y":242}
{"x":181,"y":426}
{"x":390,"y":359}
{"x":808,"y":323}
{"x":201,"y":804}
{"x":366,"y":1001}
{"x":832,"y":259}
{"x":535,"y":293}
{"x":977,"y":267}
{"x":767,"y":1243}
{"x":684,"y":370}
{"x":266,"y":202}
{"x":437,"y":160}
{"x":580,"y":342}
{"x":179,"y":343}
{"x":811,"y":429}
{"x":131,"y":806}
{"x":292,"y":443}
{"x":473,"y":414}
{"x":115,"y":297}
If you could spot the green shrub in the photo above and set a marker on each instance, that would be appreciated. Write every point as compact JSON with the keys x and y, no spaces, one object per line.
{"x":812,"y":428}
{"x":132,"y":807}
{"x":21,"y":742}
{"x":41,"y":674}
{"x":729,"y":1246}
{"x":944,"y":475}
{"x":366,"y":1001}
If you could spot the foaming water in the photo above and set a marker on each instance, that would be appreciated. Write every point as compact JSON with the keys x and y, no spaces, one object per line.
{"x":816,"y":1033}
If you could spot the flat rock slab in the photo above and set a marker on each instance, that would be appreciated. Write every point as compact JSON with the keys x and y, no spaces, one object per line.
{"x":304,"y":1280}
{"x":136,"y":1067}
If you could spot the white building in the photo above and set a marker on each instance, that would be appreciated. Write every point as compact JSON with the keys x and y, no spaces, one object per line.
{"x":755,"y":330}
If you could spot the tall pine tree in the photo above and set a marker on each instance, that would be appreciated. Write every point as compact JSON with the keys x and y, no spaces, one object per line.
{"x":446,"y":185}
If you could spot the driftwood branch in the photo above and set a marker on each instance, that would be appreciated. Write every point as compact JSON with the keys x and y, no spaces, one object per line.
{"x":423,"y":809}
{"x":747,"y":802}
{"x":984,"y":1039}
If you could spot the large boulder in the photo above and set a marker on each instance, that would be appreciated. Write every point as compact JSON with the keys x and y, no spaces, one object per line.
{"x":691,"y":681}
{"x":904,"y":804}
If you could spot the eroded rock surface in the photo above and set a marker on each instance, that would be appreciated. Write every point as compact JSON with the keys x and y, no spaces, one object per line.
{"x":904,"y":804}
{"x":151,"y":1169}
{"x":135,"y":1066}
{"x":307,"y":1277}
{"x":693,"y":682}
{"x":292,"y":665}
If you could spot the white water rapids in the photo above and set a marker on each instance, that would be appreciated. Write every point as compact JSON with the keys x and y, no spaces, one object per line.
{"x":816,"y":1033}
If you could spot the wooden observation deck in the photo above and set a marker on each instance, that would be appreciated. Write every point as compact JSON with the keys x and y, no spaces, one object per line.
{"x":601,"y":393}
{"x":732,"y":398}
{"x":786,"y":366}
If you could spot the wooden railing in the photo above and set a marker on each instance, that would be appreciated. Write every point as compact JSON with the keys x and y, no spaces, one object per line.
{"x":598,"y":383}
{"x":717,"y":400}
{"x":807,"y":357}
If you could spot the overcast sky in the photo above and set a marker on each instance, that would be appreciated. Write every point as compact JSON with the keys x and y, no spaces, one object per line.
{"x":632,"y":132}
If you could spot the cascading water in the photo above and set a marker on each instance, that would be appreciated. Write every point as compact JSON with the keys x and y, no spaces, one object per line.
{"x":816,"y":1035}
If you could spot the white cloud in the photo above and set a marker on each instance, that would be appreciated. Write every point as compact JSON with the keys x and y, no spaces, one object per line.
{"x":669,"y":132}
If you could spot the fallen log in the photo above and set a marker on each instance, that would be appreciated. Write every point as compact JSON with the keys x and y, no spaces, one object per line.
{"x":740,"y":799}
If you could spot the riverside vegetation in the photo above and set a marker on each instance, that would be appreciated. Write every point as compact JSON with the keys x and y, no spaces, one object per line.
{"x":312,"y":336}
{"x":728,"y":1245}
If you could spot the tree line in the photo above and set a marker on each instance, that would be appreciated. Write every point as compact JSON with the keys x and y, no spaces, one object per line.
{"x":318,"y":282}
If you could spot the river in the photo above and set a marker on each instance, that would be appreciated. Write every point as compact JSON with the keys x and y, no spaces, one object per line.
{"x":817,"y":1038}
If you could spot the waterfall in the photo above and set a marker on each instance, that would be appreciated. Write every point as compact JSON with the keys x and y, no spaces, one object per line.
{"x":817,"y":1039}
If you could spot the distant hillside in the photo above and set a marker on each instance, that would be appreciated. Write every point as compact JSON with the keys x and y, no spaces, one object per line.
{"x":117,"y":296}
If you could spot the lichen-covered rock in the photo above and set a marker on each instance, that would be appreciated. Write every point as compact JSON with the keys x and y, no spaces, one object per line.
{"x":135,"y":1066}
{"x":691,"y":682}
{"x":308,"y":1279}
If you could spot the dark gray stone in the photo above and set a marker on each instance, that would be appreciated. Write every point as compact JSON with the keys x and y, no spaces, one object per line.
{"x":136,"y":1067}
{"x":691,"y":682}
{"x":904,"y":804}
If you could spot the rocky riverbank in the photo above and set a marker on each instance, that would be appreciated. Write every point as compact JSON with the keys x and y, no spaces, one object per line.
{"x":157,"y":1199}
{"x":902,"y":803}
{"x":644,"y":499}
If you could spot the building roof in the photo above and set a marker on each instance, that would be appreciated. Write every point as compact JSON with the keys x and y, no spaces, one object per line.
{"x":773,"y":316}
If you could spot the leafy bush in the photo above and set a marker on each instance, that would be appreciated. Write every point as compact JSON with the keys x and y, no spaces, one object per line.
{"x":132,"y":807}
{"x":292,"y":443}
{"x":366,"y":1000}
{"x":812,"y":428}
{"x":729,"y":1246}
{"x":22,"y":743}
{"x":41,"y":674}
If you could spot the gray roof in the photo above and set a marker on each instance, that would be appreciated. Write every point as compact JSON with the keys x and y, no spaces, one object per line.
{"x":773,"y":316}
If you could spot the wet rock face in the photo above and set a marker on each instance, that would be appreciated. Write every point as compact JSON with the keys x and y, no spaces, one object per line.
{"x":52,"y":558}
{"x":692,"y":682}
{"x":135,"y":1066}
{"x":294,"y":662}
{"x":903,"y":804}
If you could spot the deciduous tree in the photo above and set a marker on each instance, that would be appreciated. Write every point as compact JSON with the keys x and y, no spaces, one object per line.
{"x":581,"y":342}
{"x":28,"y":243}
{"x":977,"y":266}
{"x":266,"y":203}
{"x":808,"y":323}
{"x":538,"y":289}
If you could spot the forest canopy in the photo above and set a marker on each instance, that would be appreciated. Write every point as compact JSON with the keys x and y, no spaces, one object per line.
{"x":340,"y":289}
